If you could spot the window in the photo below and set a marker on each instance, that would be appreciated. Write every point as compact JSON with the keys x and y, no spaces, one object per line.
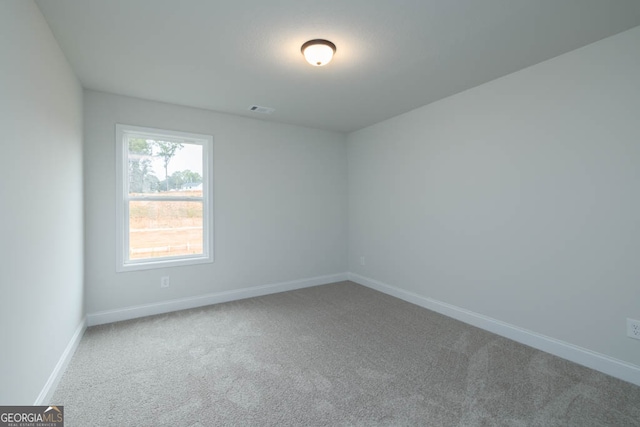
{"x":164,"y":198}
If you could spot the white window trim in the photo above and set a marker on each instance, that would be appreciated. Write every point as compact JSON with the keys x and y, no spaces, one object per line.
{"x":123,"y":264}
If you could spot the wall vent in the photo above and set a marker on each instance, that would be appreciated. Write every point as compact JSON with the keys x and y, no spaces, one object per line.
{"x":262,"y":110}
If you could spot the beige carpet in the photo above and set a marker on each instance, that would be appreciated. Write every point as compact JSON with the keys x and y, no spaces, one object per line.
{"x":334,"y":355}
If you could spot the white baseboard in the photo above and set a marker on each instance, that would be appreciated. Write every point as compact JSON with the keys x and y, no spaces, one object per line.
{"x":44,"y":398}
{"x":134,"y":312}
{"x":591,"y":359}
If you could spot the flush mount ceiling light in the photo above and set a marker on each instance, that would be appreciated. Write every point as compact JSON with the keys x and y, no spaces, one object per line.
{"x":318,"y":52}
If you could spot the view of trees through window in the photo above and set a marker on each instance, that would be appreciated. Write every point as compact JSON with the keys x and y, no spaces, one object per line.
{"x":165,"y":198}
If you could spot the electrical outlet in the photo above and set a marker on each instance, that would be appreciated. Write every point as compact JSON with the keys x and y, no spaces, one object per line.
{"x":362,"y":261}
{"x":164,"y":282}
{"x":633,"y":328}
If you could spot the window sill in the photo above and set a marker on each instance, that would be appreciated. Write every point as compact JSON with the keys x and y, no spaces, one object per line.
{"x":163,"y":263}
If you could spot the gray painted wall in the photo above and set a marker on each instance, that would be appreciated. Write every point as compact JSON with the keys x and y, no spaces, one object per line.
{"x":517,"y":199}
{"x":280,"y":203}
{"x":41,"y":232}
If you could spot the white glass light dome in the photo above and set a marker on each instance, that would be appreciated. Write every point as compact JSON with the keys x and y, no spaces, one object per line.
{"x":318,"y":52}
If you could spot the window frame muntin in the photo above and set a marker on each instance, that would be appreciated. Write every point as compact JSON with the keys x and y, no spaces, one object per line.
{"x":123,"y":263}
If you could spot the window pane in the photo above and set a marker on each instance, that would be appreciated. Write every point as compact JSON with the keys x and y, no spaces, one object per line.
{"x":164,"y":167}
{"x":160,"y":229}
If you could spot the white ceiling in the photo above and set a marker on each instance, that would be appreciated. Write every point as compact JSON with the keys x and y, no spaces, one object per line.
{"x":392,"y":55}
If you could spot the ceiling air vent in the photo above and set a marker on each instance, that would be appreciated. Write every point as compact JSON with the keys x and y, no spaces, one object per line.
{"x":259,"y":109}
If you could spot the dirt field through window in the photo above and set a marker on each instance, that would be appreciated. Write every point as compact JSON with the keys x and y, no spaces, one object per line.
{"x":160,"y":229}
